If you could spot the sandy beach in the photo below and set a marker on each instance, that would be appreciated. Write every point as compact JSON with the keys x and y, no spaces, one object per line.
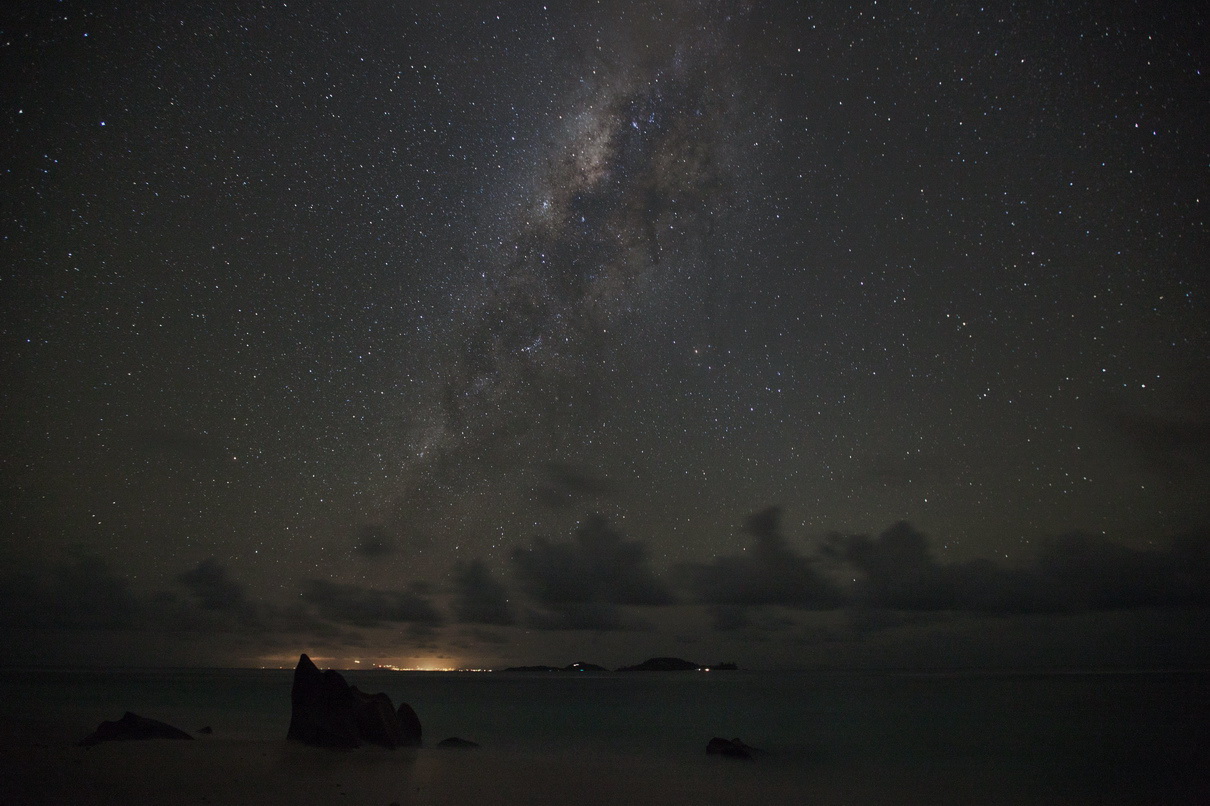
{"x":233,"y":772}
{"x":214,"y":771}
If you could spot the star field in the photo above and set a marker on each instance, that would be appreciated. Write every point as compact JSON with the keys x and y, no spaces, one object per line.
{"x":491,"y":330}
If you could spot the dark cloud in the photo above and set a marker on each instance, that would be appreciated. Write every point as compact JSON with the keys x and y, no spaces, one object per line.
{"x":78,"y":594}
{"x":479,"y":597}
{"x":584,"y":583}
{"x":1175,"y":441}
{"x":899,"y":572}
{"x":1093,"y":572}
{"x":771,"y":573}
{"x":367,"y":607}
{"x":564,"y":485}
{"x":1073,"y":571}
{"x":755,"y":623}
{"x":213,"y":586}
{"x":597,"y":566}
{"x":373,"y":541}
{"x":584,"y":616}
{"x":479,"y":635}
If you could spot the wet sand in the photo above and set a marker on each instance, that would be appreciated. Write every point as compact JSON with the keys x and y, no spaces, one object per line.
{"x":210,"y":771}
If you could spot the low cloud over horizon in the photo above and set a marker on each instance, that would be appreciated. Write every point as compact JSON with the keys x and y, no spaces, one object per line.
{"x":839,"y":591}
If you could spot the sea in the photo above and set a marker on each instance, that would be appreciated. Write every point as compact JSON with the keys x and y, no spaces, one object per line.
{"x":1055,"y":737}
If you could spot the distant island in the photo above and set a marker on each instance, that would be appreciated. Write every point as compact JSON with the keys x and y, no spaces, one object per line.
{"x":649,"y":665}
{"x":571,"y":667}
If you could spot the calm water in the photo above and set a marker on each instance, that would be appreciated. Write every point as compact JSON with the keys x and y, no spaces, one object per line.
{"x":1113,"y":738}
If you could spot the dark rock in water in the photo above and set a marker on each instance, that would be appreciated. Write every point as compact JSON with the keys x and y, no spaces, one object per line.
{"x":206,"y":731}
{"x":132,"y":727}
{"x":322,"y":708}
{"x":459,"y":744}
{"x":662,"y":665}
{"x":731,"y":748}
{"x":376,"y":719}
{"x":327,"y":712}
{"x":409,"y":724}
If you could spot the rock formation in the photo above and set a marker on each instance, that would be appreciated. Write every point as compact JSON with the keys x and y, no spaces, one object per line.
{"x":132,"y":727}
{"x":413,"y":735}
{"x":731,"y":748}
{"x":327,"y":712}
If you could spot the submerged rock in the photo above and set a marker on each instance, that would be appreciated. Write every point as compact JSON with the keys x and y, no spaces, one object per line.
{"x":132,"y":727}
{"x":327,"y":712}
{"x":455,"y":743}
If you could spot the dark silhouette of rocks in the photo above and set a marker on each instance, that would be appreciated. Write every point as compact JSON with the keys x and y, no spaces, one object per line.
{"x":132,"y":727}
{"x":413,"y":734}
{"x":662,"y":665}
{"x":376,"y":719}
{"x":578,"y":666}
{"x":206,"y":731}
{"x":584,"y":667}
{"x":327,"y":712}
{"x":454,"y":743}
{"x":731,"y":748}
{"x":322,"y":708}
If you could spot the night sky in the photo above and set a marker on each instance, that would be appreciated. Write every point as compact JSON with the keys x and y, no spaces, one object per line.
{"x":470,"y":334}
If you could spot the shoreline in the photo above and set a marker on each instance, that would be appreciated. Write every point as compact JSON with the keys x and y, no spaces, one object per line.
{"x":230,"y":771}
{"x":212,"y":772}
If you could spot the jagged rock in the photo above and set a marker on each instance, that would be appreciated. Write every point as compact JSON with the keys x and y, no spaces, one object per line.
{"x":376,"y":719}
{"x":322,"y":708}
{"x":662,"y":665}
{"x":327,"y":712}
{"x":454,"y":742}
{"x":132,"y":727}
{"x":409,"y":724}
{"x":731,"y":748}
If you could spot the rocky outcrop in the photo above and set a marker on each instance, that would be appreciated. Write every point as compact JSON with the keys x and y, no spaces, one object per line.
{"x":409,"y":723}
{"x":731,"y":748}
{"x":376,"y":719}
{"x":132,"y":727}
{"x":325,"y":711}
{"x":454,"y":743}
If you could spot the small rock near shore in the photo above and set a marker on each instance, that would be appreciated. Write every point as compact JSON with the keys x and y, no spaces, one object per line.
{"x":132,"y":727}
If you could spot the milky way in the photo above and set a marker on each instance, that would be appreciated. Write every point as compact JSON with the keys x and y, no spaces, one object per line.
{"x":623,"y":205}
{"x":481,"y":329}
